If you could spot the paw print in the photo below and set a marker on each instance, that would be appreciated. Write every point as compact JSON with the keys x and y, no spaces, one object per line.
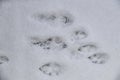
{"x":51,"y":69}
{"x":55,"y":18}
{"x":99,"y":58}
{"x":65,"y":18}
{"x":84,"y":50}
{"x":51,"y":43}
{"x":78,"y":35}
{"x":59,"y":43}
{"x":3,"y":59}
{"x":88,"y":47}
{"x":44,"y":17}
{"x":42,"y":43}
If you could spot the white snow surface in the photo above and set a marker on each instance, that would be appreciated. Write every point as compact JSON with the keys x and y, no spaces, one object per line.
{"x":101,"y":18}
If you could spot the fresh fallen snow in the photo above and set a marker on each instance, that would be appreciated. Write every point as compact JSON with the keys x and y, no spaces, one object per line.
{"x":99,"y":17}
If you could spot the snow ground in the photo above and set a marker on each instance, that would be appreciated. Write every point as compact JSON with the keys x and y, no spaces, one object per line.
{"x":99,"y":17}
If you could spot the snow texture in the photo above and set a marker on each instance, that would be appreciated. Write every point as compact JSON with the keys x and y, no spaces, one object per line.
{"x":59,"y":39}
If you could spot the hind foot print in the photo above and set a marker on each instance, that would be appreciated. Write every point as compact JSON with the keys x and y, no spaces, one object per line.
{"x":57,"y":18}
{"x":50,"y":43}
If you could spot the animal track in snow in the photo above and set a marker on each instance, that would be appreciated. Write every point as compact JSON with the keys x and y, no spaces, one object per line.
{"x":50,"y":43}
{"x":61,"y":18}
{"x":51,"y":69}
{"x":99,"y":58}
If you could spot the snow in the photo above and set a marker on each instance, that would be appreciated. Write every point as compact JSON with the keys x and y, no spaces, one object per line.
{"x":99,"y":17}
